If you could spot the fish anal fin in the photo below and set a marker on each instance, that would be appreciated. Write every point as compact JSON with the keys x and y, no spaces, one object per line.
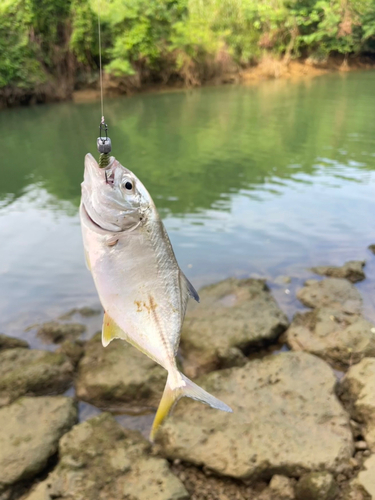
{"x":185,"y":283}
{"x":111,"y":331}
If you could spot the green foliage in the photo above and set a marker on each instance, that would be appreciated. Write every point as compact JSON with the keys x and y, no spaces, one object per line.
{"x":182,"y":37}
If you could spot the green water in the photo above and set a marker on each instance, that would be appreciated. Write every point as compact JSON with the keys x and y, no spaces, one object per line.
{"x":258,"y":181}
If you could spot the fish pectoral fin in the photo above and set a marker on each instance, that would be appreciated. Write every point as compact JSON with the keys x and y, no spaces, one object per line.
{"x":111,"y":331}
{"x":87,"y":260}
{"x":187,"y":388}
{"x":185,"y":284}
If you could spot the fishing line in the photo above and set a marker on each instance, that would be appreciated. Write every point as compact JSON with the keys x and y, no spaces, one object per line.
{"x":103,"y":142}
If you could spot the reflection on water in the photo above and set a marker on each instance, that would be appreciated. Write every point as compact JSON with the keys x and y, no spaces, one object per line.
{"x":259,"y":181}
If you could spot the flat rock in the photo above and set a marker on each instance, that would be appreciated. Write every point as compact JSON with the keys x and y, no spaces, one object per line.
{"x":30,"y":430}
{"x":11,"y":342}
{"x":286,"y":419}
{"x":332,"y":292}
{"x":118,"y":376}
{"x":232,"y":316}
{"x":100,"y":460}
{"x":352,"y":271}
{"x":365,"y":481}
{"x":56,"y":333}
{"x":358,"y":387}
{"x":336,"y":336}
{"x":32,"y":372}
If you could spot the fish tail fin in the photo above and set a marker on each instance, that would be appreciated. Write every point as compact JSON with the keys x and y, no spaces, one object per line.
{"x":173,"y":393}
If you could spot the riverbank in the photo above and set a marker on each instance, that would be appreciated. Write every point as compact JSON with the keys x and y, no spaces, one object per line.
{"x":302,"y":426}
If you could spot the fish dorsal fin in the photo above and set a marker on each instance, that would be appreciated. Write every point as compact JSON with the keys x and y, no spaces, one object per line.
{"x":111,"y":331}
{"x":185,"y":284}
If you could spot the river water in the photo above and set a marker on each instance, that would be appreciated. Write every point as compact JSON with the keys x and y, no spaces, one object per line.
{"x":260,"y":181}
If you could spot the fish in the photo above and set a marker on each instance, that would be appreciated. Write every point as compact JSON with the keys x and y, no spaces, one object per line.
{"x":141,"y":287}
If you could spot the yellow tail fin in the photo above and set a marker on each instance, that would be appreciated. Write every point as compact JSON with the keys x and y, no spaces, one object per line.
{"x":187,"y":388}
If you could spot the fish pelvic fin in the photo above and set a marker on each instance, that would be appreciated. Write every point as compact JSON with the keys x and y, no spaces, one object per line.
{"x":111,"y":331}
{"x":172,"y":394}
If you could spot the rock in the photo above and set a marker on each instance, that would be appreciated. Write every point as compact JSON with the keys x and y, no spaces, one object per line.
{"x":365,"y":481}
{"x":32,"y":372}
{"x":331,"y":292}
{"x":372,"y":248}
{"x":232,"y":314}
{"x":30,"y":430}
{"x":73,"y":349}
{"x":282,"y":487}
{"x":99,"y":460}
{"x":54,"y":332}
{"x":85,"y":311}
{"x":282,"y":280}
{"x":334,"y":335}
{"x":316,"y":486}
{"x":118,"y":375}
{"x":11,"y":342}
{"x":358,"y":388}
{"x":352,"y":271}
{"x":286,"y":418}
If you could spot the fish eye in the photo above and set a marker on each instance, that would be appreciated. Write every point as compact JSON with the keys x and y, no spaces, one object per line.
{"x":127,"y":185}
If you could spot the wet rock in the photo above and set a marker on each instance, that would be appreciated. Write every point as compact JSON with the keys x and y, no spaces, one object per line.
{"x":364,"y":483}
{"x":232,"y":314}
{"x":286,"y":418}
{"x":72,"y":349}
{"x":32,"y":372}
{"x":352,"y":271}
{"x":30,"y":430}
{"x":85,"y":311}
{"x":11,"y":342}
{"x":282,"y":280}
{"x":118,"y":375}
{"x":56,"y":333}
{"x":99,"y":460}
{"x":358,"y":389}
{"x":282,"y":487}
{"x":336,"y":336}
{"x":316,"y":486}
{"x":372,"y":248}
{"x":331,"y":292}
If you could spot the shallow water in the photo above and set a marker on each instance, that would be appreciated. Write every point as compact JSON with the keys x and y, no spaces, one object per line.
{"x":257,"y":181}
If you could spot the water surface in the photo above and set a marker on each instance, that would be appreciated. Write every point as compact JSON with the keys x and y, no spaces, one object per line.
{"x":261,"y":181}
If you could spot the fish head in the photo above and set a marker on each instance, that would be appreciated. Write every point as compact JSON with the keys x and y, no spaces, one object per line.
{"x":113,"y":197}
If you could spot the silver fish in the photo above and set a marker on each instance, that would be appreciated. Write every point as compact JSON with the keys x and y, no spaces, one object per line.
{"x":143,"y":291}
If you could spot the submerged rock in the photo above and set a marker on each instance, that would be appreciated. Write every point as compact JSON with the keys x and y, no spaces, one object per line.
{"x":286,"y":418}
{"x":232,"y":316}
{"x":73,"y":349}
{"x":331,"y":292}
{"x":317,"y":486}
{"x":30,"y":430}
{"x":56,"y":333}
{"x":118,"y":375}
{"x":334,"y":335}
{"x":352,"y":271}
{"x":11,"y":342}
{"x":358,"y":388}
{"x":372,"y":248}
{"x":33,"y":372}
{"x":99,"y":460}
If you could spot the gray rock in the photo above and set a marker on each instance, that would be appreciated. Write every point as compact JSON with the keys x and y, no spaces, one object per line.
{"x":336,"y":336}
{"x":231,"y":314}
{"x":32,"y":372}
{"x":99,"y":460}
{"x":352,"y":271}
{"x":331,"y":292}
{"x":358,"y":387}
{"x":316,"y":486}
{"x":11,"y":342}
{"x":286,"y":418}
{"x":118,"y":375}
{"x":56,"y":333}
{"x":364,"y":483}
{"x":30,"y":430}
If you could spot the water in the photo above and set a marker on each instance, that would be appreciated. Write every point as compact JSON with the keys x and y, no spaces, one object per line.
{"x":261,"y":181}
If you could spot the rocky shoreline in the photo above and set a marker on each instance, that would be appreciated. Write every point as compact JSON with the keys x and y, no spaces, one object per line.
{"x":303,"y":395}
